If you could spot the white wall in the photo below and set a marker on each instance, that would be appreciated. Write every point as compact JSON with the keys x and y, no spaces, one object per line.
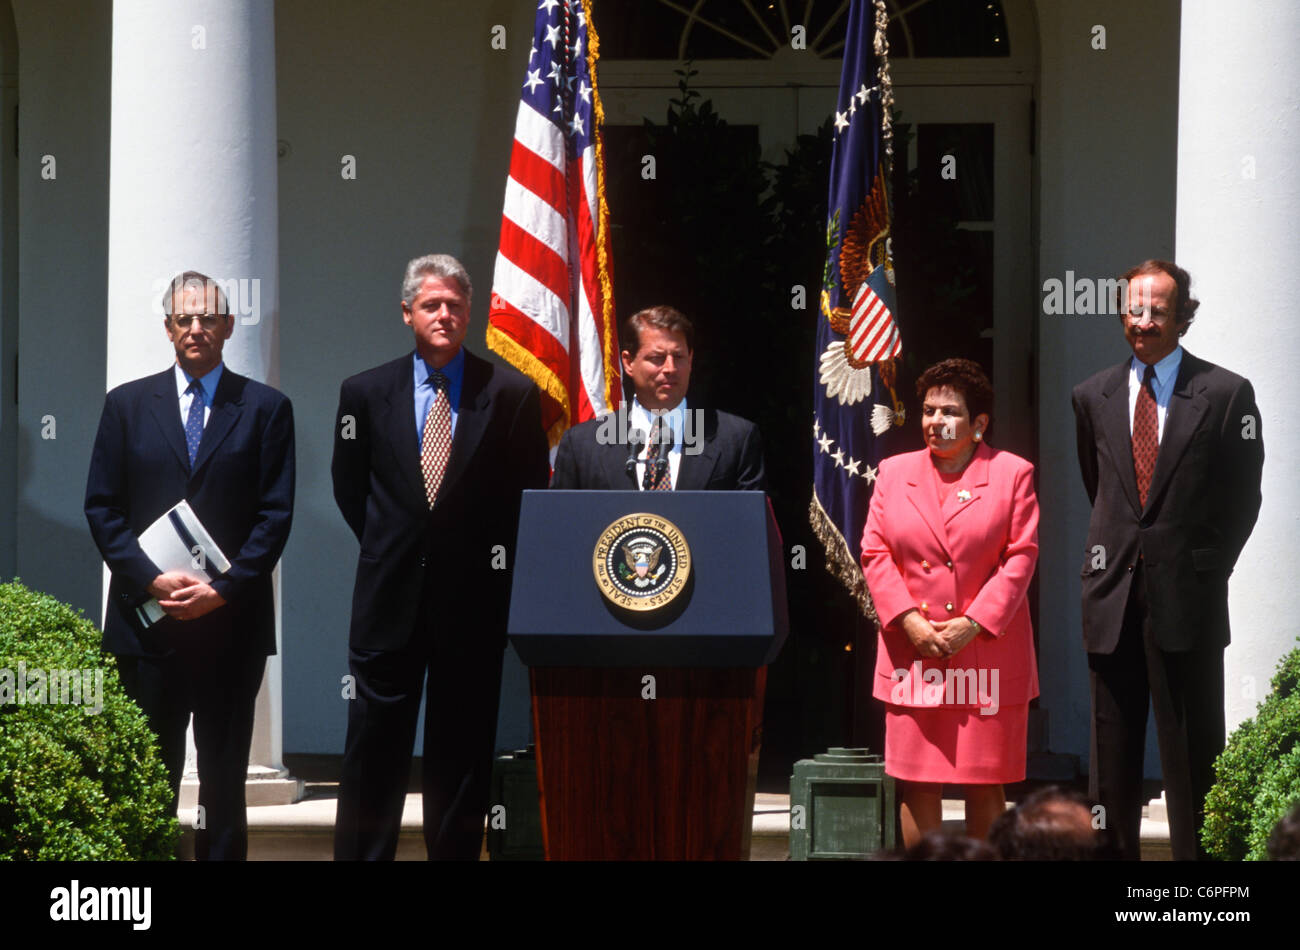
{"x":1107,"y":136}
{"x":64,"y":48}
{"x":1238,"y":200}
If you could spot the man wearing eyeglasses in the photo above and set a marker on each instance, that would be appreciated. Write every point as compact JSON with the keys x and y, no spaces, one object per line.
{"x":223,"y":443}
{"x":1171,"y":454}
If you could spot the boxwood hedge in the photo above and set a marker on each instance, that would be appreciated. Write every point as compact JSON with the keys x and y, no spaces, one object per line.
{"x":1258,"y":774}
{"x":76,"y":783}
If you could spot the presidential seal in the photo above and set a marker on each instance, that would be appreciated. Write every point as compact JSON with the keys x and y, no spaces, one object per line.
{"x":641,"y":562}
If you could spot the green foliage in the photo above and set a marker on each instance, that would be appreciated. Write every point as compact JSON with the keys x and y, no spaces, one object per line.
{"x":75,"y":784}
{"x":1258,"y":773}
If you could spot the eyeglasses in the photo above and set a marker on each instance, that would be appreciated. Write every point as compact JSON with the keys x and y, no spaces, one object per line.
{"x":1138,"y":311}
{"x":208,"y":321}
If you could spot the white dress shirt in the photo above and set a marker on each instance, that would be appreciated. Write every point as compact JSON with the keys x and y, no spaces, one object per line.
{"x":641,"y":418}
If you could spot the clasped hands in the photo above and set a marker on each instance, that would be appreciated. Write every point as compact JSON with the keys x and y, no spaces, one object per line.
{"x":184,"y":597}
{"x":938,"y":638}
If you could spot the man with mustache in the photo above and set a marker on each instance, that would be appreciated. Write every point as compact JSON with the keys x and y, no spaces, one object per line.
{"x":1171,"y":454}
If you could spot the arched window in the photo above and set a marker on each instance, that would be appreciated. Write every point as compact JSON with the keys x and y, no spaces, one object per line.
{"x":759,"y":29}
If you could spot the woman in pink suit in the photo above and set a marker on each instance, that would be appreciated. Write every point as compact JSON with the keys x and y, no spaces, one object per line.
{"x":948,"y":552}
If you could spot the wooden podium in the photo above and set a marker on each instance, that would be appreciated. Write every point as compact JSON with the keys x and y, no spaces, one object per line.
{"x":648,"y":723}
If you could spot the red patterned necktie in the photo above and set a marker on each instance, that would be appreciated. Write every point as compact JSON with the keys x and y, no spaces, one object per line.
{"x":1146,"y":435}
{"x":654,"y":479}
{"x":435,"y":447}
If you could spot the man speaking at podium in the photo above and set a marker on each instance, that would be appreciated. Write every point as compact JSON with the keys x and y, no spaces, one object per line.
{"x":663,"y":445}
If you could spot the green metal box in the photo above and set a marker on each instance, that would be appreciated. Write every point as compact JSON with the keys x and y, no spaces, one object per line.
{"x":841,"y":806}
{"x":514,"y":819}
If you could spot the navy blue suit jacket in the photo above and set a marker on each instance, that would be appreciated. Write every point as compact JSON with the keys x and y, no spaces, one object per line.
{"x":498,"y":450}
{"x":241,"y":489}
{"x":730,"y":459}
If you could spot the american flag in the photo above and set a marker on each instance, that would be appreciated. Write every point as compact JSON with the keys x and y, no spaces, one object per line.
{"x":872,"y":332}
{"x":552,"y":312}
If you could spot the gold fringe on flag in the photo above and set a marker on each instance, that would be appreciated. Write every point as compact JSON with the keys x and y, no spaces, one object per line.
{"x":604,"y":266}
{"x":524,"y":360}
{"x":839,"y":561}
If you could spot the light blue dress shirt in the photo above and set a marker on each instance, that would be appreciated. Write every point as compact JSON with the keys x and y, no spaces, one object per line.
{"x":424,"y":391}
{"x":207,"y":382}
{"x":1162,"y":386}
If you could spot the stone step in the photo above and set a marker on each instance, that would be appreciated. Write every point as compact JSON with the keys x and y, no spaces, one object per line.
{"x":304,"y":831}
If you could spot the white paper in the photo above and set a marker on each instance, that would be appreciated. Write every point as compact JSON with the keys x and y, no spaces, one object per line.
{"x":165,"y":546}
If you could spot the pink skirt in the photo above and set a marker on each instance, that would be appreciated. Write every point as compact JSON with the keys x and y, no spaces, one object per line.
{"x":956,"y":745}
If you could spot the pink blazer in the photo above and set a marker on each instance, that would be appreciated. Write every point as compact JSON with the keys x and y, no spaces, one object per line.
{"x":975,"y":556}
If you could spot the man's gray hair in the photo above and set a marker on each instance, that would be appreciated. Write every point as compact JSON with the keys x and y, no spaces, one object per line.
{"x":192,"y":280}
{"x":434,"y":265}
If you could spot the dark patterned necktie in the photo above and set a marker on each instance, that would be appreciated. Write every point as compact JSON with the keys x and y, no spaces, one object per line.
{"x":194,"y":420}
{"x":435,"y":447}
{"x":654,"y":479}
{"x":1146,"y":435}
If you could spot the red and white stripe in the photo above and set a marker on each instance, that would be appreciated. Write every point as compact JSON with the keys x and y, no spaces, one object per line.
{"x":546,"y":286}
{"x":873,"y":336}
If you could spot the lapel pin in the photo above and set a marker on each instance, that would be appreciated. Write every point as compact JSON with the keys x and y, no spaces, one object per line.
{"x":963,"y":495}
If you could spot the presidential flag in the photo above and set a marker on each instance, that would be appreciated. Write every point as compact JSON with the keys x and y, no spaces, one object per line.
{"x":857,"y":336}
{"x":552,"y":312}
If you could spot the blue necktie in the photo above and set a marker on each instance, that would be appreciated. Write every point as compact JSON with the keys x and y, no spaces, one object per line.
{"x":194,"y":421}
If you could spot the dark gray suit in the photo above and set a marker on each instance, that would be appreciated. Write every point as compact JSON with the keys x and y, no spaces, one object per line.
{"x":731,"y":458}
{"x":1155,"y":584}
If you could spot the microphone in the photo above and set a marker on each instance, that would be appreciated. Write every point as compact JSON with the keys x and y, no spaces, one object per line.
{"x":666,"y":441}
{"x":636,"y":439}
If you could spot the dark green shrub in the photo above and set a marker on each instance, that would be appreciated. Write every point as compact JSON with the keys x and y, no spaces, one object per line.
{"x":75,"y":784}
{"x":1258,"y":774}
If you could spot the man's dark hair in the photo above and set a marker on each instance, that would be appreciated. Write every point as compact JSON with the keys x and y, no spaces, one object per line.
{"x":1185,"y":305}
{"x":1050,"y":824}
{"x":938,"y":846}
{"x":967,"y":379}
{"x":1284,"y":841}
{"x":668,"y":319}
{"x":194,"y":280}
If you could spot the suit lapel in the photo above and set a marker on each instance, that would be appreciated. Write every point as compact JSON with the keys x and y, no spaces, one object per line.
{"x":920,"y":492}
{"x":471,"y":419}
{"x":974,"y":480}
{"x":227,"y":405}
{"x":399,"y":426}
{"x":1115,"y":429}
{"x":612,"y":459}
{"x":694,"y":471}
{"x":167,"y":413}
{"x":1183,"y":415}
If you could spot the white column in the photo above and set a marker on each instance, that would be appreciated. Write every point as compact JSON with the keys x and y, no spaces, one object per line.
{"x":193,"y":187}
{"x":1238,"y":204}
